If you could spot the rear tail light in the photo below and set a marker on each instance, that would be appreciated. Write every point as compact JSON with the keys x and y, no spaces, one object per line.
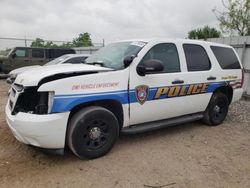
{"x":242,"y":77}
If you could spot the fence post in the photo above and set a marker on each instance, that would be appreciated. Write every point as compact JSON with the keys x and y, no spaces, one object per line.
{"x":243,"y":52}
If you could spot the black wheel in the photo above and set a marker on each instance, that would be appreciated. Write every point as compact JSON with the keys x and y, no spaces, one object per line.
{"x":92,"y":132}
{"x":217,"y":109}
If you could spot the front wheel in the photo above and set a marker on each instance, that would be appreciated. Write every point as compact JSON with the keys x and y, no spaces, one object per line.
{"x":217,"y":109}
{"x":92,"y":132}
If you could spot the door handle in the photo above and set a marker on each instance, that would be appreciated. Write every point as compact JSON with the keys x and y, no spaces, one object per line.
{"x":178,"y":82}
{"x":211,"y":78}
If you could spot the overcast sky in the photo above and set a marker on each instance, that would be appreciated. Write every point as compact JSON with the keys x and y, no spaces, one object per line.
{"x":104,"y":19}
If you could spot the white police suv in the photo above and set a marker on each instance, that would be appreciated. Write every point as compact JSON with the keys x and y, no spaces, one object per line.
{"x":126,"y":87}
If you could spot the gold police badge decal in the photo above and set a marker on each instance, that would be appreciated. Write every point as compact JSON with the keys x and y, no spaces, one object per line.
{"x":141,"y":93}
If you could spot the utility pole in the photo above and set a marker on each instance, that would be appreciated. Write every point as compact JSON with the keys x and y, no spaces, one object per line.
{"x":25,"y":41}
{"x":103,"y":42}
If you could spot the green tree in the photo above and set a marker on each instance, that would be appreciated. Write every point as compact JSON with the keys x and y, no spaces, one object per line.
{"x":67,"y":45}
{"x":204,"y":33}
{"x":38,"y":42}
{"x":82,"y":40}
{"x":50,"y":44}
{"x":235,"y":18}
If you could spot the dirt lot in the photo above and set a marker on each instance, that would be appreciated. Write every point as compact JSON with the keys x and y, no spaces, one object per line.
{"x":191,"y":155}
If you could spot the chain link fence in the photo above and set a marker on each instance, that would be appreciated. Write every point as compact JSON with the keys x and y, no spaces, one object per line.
{"x":6,"y":43}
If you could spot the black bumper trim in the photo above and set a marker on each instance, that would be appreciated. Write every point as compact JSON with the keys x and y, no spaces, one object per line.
{"x":59,"y":151}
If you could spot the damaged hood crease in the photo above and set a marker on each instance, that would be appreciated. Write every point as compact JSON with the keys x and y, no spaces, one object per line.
{"x":45,"y":74}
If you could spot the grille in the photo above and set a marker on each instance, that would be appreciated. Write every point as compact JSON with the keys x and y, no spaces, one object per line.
{"x":11,"y":104}
{"x":13,"y":92}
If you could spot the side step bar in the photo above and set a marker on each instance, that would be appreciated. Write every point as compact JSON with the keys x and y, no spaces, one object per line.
{"x":144,"y":127}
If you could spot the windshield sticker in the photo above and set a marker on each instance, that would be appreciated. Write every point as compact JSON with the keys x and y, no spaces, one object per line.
{"x":138,"y":43}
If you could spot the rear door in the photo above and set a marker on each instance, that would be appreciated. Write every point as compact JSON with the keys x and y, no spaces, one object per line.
{"x":200,"y":76}
{"x":38,"y":56}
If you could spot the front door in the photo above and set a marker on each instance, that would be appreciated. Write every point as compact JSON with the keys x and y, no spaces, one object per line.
{"x":155,"y":96}
{"x":21,"y":58}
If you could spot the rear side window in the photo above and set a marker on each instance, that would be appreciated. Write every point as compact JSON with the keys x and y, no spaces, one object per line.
{"x":196,"y":57}
{"x":54,"y":53}
{"x":37,"y":53}
{"x":226,"y":57}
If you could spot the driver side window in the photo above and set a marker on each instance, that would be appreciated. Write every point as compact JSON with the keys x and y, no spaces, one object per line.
{"x":166,"y":53}
{"x":21,"y":53}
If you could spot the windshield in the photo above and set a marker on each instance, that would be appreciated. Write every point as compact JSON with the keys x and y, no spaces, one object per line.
{"x":112,"y":55}
{"x":57,"y":60}
{"x":5,"y":52}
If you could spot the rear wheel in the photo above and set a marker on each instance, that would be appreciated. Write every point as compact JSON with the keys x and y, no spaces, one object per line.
{"x":217,"y":109}
{"x":92,"y":132}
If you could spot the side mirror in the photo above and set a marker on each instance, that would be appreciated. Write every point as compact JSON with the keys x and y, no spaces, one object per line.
{"x":150,"y":67}
{"x":128,"y":60}
{"x":13,"y":55}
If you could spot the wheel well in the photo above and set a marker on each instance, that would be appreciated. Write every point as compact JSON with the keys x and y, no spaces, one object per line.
{"x":112,"y":105}
{"x":227,"y":90}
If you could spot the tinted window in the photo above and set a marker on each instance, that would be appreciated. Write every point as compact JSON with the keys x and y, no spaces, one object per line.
{"x":54,"y":53}
{"x":226,"y":57}
{"x":76,"y":60}
{"x":21,"y":53}
{"x":167,"y":54}
{"x":37,"y":53}
{"x":196,"y":57}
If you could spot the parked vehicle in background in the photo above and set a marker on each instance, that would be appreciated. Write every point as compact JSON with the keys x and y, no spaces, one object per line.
{"x":68,"y":58}
{"x":26,"y":56}
{"x":126,"y":87}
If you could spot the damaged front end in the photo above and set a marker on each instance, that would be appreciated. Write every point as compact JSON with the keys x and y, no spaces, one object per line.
{"x":29,"y":100}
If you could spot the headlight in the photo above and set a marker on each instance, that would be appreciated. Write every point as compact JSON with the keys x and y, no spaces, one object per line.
{"x":45,"y":102}
{"x":50,"y":100}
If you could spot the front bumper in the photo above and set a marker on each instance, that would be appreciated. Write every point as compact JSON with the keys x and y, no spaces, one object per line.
{"x":44,"y":131}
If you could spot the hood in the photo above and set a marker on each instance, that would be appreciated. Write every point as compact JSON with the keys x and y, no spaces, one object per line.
{"x":34,"y":76}
{"x":22,"y":69}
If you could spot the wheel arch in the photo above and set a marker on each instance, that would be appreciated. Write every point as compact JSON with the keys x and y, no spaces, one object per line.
{"x":112,"y":105}
{"x":227,"y":90}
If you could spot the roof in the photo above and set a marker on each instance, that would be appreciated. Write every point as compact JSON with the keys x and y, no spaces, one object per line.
{"x":189,"y":41}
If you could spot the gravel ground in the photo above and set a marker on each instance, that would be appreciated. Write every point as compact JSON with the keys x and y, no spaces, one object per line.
{"x":191,"y":155}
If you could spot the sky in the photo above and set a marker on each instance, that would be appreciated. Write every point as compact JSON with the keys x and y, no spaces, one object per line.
{"x":110,"y":20}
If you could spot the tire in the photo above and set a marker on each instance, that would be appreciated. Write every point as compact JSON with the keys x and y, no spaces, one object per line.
{"x":217,"y":109}
{"x":92,"y":132}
